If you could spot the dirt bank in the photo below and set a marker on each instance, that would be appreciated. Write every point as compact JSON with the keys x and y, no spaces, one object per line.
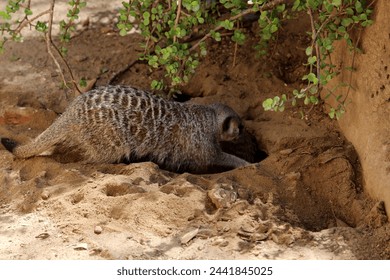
{"x":366,"y":123}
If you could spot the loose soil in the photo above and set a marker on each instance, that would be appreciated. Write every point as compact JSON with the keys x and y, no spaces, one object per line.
{"x":303,"y":201}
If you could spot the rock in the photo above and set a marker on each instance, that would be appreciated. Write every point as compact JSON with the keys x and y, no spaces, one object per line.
{"x":45,"y":195}
{"x":222,"y":198}
{"x":98,"y":230}
{"x":80,"y":246}
{"x":42,"y":235}
{"x":80,"y":58}
{"x":221,"y":242}
{"x":253,"y":237}
{"x":188,"y":236}
{"x":77,"y":197}
{"x":249,"y":228}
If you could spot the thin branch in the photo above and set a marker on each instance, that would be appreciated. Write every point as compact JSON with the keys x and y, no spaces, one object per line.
{"x":235,"y":54}
{"x":49,"y":41}
{"x":50,"y":44}
{"x":265,"y":7}
{"x":177,"y":18}
{"x":69,"y":24}
{"x":315,"y":42}
{"x":26,"y":21}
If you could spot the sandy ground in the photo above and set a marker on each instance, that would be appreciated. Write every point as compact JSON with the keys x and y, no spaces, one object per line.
{"x":304,"y":201}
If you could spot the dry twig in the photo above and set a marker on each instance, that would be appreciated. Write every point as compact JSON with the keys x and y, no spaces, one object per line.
{"x":177,"y":18}
{"x":50,"y":44}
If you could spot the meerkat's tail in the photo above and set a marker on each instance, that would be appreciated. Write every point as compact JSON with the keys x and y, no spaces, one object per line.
{"x":43,"y":144}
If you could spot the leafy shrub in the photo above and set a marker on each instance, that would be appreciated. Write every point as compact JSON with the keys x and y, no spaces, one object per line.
{"x":175,"y":35}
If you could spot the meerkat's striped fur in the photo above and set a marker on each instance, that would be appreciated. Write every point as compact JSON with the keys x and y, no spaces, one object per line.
{"x":113,"y":123}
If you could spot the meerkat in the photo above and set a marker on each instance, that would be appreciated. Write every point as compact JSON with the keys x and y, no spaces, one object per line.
{"x":114,"y":123}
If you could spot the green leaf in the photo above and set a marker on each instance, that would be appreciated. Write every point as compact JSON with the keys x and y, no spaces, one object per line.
{"x":123,"y":32}
{"x":294,"y":102}
{"x":309,"y":51}
{"x":329,"y":7}
{"x":346,"y":22}
{"x":153,"y":61}
{"x":146,"y":18}
{"x":363,"y":17}
{"x":146,"y":15}
{"x":313,"y":4}
{"x":275,"y":101}
{"x":349,"y":11}
{"x":83,"y":82}
{"x":64,"y":51}
{"x":332,"y":113}
{"x":267,"y":104}
{"x":367,"y":23}
{"x":313,"y":90}
{"x":216,"y":36}
{"x":312,"y":59}
{"x":157,"y":85}
{"x":82,"y":5}
{"x":337,"y":3}
{"x":28,"y":12}
{"x":358,"y":7}
{"x":41,"y":26}
{"x":296,"y":5}
{"x":274,"y":28}
{"x":312,"y":78}
{"x":5,"y":15}
{"x":238,"y":37}
{"x":227,"y":24}
{"x":195,"y":6}
{"x":314,"y":99}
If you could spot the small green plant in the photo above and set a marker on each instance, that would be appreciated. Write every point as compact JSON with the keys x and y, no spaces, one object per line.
{"x":168,"y":28}
{"x":176,"y":34}
{"x":68,"y":25}
{"x":331,"y":20}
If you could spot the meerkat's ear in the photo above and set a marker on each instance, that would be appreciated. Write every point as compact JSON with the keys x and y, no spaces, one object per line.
{"x":9,"y":144}
{"x":231,"y":129}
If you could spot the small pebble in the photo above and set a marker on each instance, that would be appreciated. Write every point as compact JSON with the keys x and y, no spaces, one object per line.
{"x":221,"y":242}
{"x":42,"y":235}
{"x":45,"y":195}
{"x":98,"y":230}
{"x":81,"y":247}
{"x":188,"y":236}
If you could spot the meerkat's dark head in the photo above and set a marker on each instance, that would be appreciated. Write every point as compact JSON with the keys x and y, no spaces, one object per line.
{"x":229,"y":123}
